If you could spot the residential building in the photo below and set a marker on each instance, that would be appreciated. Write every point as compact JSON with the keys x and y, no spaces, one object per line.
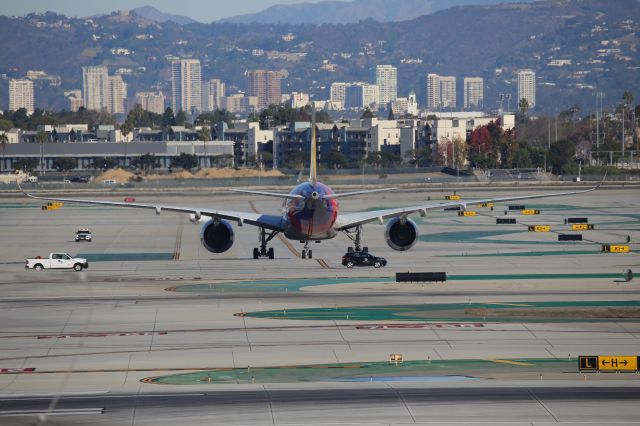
{"x":95,"y":87}
{"x":117,"y":95}
{"x":473,"y":92}
{"x":186,"y":85}
{"x":387,"y":82}
{"x":361,"y":95}
{"x":448,"y":92}
{"x":212,"y":93}
{"x":400,"y":107}
{"x":151,"y":101}
{"x":266,"y":86}
{"x":527,"y":86}
{"x":433,"y":91}
{"x":298,"y":100}
{"x":338,"y":92}
{"x":75,"y":99}
{"x":21,"y":95}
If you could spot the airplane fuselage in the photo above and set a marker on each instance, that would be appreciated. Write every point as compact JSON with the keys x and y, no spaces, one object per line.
{"x":313,"y":217}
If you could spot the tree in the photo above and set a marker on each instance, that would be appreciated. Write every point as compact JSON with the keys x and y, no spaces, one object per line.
{"x":168,"y":118}
{"x":27,"y":165}
{"x":335,"y":160}
{"x":391,"y":116}
{"x":185,"y":161}
{"x":125,"y":129}
{"x":297,"y":160}
{"x":4,"y":139}
{"x":367,"y":113}
{"x":102,"y":163}
{"x":145,"y":162}
{"x":204,"y":134}
{"x":561,"y":155}
{"x":181,"y":118}
{"x":523,"y":104}
{"x":64,"y":164}
{"x":460,"y":150}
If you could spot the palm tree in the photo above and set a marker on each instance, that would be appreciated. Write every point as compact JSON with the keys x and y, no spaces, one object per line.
{"x":41,"y":137}
{"x":3,"y":142}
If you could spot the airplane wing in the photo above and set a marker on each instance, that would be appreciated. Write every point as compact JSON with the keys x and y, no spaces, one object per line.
{"x":268,"y":194}
{"x":349,"y":220}
{"x":351,"y":194}
{"x":271,"y":222}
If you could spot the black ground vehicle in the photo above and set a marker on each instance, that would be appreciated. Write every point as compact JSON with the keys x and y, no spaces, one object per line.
{"x":362,"y":258}
{"x":79,"y":179}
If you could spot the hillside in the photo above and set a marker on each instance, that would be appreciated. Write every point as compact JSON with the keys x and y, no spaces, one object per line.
{"x":595,"y":41}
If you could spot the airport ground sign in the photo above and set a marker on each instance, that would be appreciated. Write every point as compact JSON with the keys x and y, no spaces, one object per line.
{"x":608,"y":363}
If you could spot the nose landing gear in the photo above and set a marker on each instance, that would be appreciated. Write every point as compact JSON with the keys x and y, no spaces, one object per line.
{"x":306,"y":252}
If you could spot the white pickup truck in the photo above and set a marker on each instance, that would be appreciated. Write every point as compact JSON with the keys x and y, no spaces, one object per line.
{"x":57,"y":261}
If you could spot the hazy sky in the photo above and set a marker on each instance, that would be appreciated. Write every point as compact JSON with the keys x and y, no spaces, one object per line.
{"x":200,"y":10}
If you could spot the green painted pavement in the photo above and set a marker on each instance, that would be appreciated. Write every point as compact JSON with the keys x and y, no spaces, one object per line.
{"x":445,"y":312}
{"x":345,"y":371}
{"x":296,"y":284}
{"x":125,"y":257}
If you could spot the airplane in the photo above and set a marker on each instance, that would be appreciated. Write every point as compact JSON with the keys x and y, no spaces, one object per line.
{"x":310,"y":212}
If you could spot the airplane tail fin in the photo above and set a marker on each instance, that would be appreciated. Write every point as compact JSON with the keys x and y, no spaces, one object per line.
{"x":313,"y":178}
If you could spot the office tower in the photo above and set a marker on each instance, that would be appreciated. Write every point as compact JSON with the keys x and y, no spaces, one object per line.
{"x":433,"y":91}
{"x":338,"y":92}
{"x":21,"y":95}
{"x":212,"y":93}
{"x":527,"y":86}
{"x":117,"y":95}
{"x":186,"y":86}
{"x":473,"y":92}
{"x":360,"y":95}
{"x":266,"y":86}
{"x":151,"y":101}
{"x":448,"y":92}
{"x":95,"y":87}
{"x":387,"y":82}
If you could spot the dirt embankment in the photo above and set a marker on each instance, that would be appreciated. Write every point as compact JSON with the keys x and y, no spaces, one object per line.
{"x":122,"y":176}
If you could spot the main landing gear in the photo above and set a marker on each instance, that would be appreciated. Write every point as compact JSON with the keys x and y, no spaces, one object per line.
{"x":264,"y":237}
{"x":356,"y":237}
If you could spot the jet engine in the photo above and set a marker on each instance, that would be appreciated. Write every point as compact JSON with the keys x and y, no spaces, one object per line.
{"x":217,"y":237}
{"x":401,"y":234}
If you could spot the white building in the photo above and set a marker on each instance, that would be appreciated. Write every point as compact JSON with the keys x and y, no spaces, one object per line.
{"x":412,"y":104}
{"x":95,"y":87}
{"x":151,"y":101}
{"x":75,"y":99}
{"x":381,"y":133}
{"x":186,"y":85}
{"x":212,"y":93}
{"x":21,"y":95}
{"x":338,"y":92}
{"x":387,"y":82}
{"x":117,"y":95}
{"x":361,"y":95}
{"x":448,"y":92}
{"x":400,"y":107}
{"x":473,"y":92}
{"x":433,"y":91}
{"x":527,"y":86}
{"x":298,"y":100}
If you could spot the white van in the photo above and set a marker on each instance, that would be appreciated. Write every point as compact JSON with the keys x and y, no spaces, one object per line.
{"x":32,"y":179}
{"x":109,"y":182}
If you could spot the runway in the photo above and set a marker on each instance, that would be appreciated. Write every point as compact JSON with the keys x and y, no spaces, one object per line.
{"x":155,"y":304}
{"x":364,"y":404}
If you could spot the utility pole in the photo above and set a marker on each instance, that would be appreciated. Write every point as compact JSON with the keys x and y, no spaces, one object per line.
{"x":549,"y":134}
{"x":623,"y":105}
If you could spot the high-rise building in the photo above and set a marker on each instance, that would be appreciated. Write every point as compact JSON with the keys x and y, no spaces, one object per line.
{"x":151,"y":101}
{"x":186,"y":85}
{"x":338,"y":92}
{"x":266,"y":86}
{"x":361,"y":95}
{"x":212,"y":93}
{"x":387,"y":82}
{"x":448,"y":92}
{"x":95,"y":87}
{"x":473,"y":92}
{"x":21,"y":95}
{"x":75,"y":99}
{"x":527,"y":86}
{"x":433,"y":91}
{"x":117,"y":95}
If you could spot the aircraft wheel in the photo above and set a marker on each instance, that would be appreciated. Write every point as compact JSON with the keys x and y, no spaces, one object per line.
{"x":310,"y":254}
{"x":271,"y":253}
{"x":256,"y":253}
